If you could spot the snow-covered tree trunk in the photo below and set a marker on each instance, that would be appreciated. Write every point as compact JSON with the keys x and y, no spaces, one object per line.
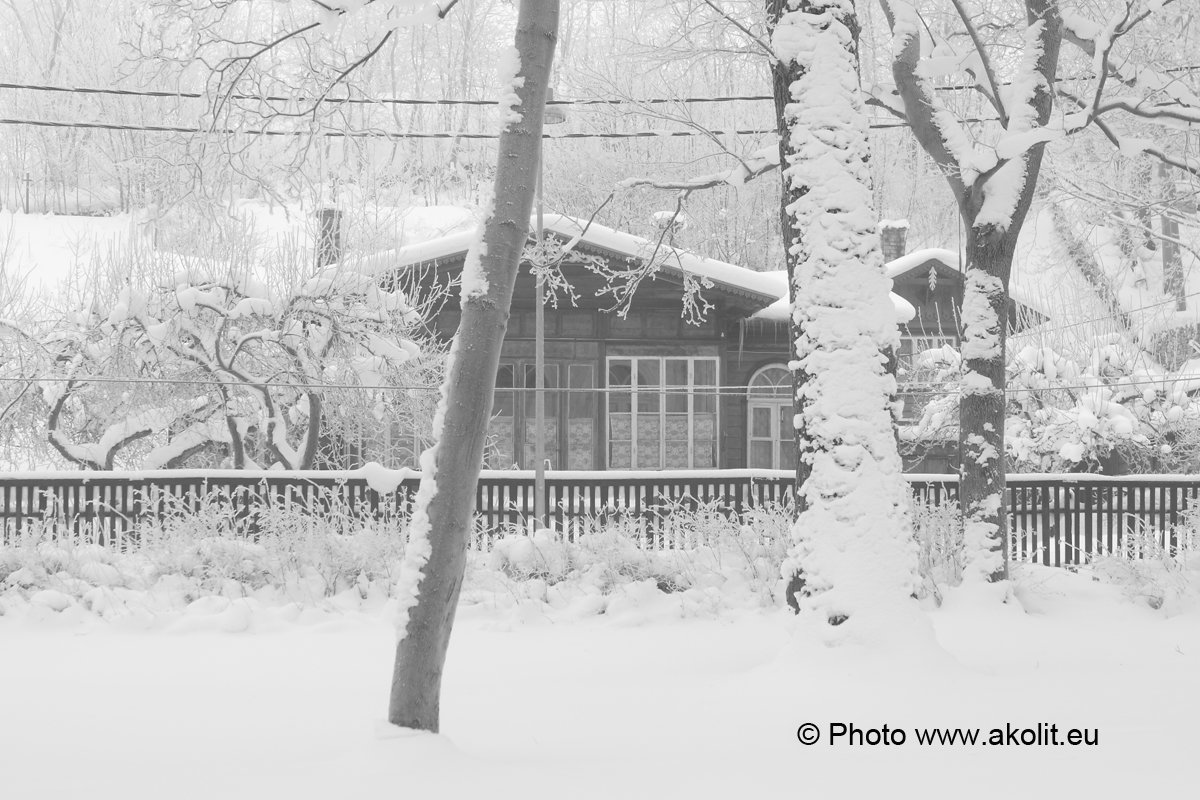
{"x":852,"y":550}
{"x":432,"y":574}
{"x":993,"y":188}
{"x":783,"y":74}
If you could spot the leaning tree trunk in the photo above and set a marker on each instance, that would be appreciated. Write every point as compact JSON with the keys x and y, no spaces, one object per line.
{"x":442,"y":522}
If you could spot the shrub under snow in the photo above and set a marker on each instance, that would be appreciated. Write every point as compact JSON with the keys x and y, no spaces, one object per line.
{"x":704,"y":561}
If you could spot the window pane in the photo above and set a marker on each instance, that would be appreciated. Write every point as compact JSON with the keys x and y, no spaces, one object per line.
{"x":581,"y":420}
{"x":760,"y":455}
{"x":704,"y":372}
{"x":786,"y":417}
{"x":648,"y":384}
{"x":502,"y":429}
{"x":550,"y":381}
{"x":580,"y":403}
{"x":677,"y":455}
{"x":760,"y":422}
{"x":676,"y":379}
{"x":620,"y":427}
{"x":549,"y":423}
{"x":677,"y":372}
{"x":619,"y":377}
{"x":649,"y":440}
{"x":787,"y":455}
{"x":620,"y":455}
{"x":787,"y":438}
{"x":501,"y":443}
{"x":677,"y":428}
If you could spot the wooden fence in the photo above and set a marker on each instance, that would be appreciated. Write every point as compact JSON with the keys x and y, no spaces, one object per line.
{"x":1055,"y":519}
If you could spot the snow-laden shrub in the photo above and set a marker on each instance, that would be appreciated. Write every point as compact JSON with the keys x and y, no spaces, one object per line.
{"x":938,"y":528}
{"x":694,"y":547}
{"x":1159,"y":568}
{"x":1113,"y":410}
{"x":205,"y":547}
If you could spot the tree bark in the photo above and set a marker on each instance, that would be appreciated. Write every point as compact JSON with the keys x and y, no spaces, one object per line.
{"x":447,"y":495}
{"x":982,"y":411}
{"x":783,"y":74}
{"x":851,"y":500}
{"x":991,"y":241}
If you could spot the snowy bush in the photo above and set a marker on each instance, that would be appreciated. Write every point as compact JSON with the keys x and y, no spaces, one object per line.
{"x":701,"y":558}
{"x":1158,"y":567}
{"x":203,"y":547}
{"x":1112,"y":411}
{"x":938,"y":528}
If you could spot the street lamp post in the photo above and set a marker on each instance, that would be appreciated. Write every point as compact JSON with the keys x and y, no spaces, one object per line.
{"x":553,"y":116}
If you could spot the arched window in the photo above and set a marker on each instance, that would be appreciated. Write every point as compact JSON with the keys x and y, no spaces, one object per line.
{"x":771,"y":442}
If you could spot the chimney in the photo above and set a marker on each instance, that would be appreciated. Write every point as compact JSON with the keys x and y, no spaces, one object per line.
{"x":329,"y":236}
{"x":893,"y":235}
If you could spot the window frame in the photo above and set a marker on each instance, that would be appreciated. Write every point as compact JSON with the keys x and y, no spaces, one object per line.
{"x":757,"y":398}
{"x":632,"y":393}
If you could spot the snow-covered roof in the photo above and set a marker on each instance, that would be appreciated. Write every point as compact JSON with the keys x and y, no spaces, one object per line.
{"x":948,"y":258}
{"x":771,"y":284}
{"x":781,"y":309}
{"x":600,"y":236}
{"x":910,"y":261}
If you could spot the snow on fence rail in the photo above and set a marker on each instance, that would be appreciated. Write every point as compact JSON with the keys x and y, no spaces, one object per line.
{"x":1055,"y":519}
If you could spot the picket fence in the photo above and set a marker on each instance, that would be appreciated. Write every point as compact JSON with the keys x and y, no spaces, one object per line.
{"x":1055,"y":519}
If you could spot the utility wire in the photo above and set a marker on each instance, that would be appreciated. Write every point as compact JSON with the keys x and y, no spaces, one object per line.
{"x":110,"y":126}
{"x":400,"y":101}
{"x":372,"y":134}
{"x":700,"y":391}
{"x":406,"y":101}
{"x":1078,"y":323}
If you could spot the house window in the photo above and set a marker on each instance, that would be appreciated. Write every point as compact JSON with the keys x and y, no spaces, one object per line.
{"x":513,"y":430}
{"x":771,"y":436}
{"x":919,"y":363}
{"x":662,"y":413}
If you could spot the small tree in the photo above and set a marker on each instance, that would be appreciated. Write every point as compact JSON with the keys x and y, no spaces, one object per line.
{"x":435,"y":558}
{"x":219,"y":357}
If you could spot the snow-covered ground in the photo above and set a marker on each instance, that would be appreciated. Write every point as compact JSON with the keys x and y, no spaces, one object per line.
{"x":236,"y":699}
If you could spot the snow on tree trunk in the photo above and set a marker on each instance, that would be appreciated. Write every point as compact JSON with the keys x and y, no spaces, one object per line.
{"x":994,"y":188}
{"x":852,"y":545}
{"x":435,"y":558}
{"x":981,"y":409}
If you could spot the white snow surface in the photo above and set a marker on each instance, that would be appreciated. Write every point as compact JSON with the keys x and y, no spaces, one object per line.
{"x":239,"y":699}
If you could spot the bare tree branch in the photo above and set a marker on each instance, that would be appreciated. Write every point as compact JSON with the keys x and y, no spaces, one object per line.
{"x":766,"y":48}
{"x":989,"y":72}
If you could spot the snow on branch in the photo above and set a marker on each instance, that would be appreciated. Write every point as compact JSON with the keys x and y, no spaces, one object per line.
{"x":936,"y":128}
{"x":759,"y":163}
{"x":1145,"y":93}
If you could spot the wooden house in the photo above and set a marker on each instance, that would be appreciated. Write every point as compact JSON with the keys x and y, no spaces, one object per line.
{"x":648,"y":388}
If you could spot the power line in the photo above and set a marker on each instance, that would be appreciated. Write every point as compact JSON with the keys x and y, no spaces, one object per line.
{"x":111,"y":126}
{"x":625,"y":390}
{"x":401,"y":101}
{"x":108,"y":126}
{"x":408,"y":101}
{"x":1107,"y":318}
